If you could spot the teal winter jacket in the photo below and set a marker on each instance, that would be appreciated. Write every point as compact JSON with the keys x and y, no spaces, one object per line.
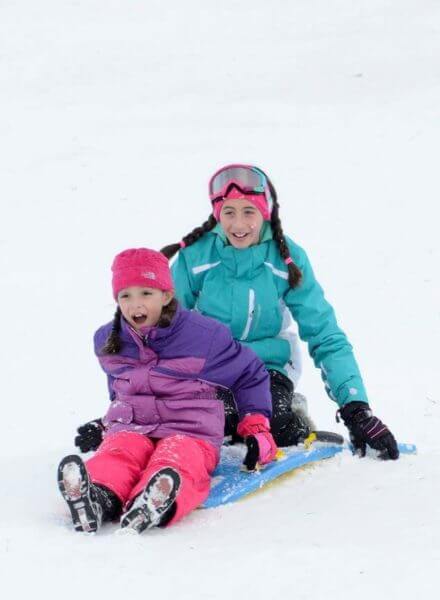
{"x":248,"y":290}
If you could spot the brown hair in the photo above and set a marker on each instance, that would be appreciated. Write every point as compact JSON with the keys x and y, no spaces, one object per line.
{"x":294,"y":272}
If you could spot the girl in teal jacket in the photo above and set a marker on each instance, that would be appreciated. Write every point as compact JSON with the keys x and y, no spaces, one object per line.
{"x":239,"y":268}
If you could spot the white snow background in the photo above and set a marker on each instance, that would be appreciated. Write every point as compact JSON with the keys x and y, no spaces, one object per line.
{"x":113,"y":115}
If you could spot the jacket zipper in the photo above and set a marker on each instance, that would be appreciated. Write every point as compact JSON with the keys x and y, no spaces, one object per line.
{"x":163,"y":372}
{"x":251,"y":310}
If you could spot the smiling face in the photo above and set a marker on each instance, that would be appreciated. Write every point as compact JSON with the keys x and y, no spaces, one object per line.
{"x":142,"y":306}
{"x":241,"y":222}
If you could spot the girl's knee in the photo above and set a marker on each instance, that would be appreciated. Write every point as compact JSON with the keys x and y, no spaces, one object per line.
{"x":186,"y":454}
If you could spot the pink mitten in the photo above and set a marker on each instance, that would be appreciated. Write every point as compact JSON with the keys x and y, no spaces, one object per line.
{"x":261,"y":447}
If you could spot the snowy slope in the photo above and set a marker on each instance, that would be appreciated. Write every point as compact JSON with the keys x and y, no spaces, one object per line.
{"x":113,"y":116}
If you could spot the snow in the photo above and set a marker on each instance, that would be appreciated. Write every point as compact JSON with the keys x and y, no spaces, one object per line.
{"x":113,"y":116}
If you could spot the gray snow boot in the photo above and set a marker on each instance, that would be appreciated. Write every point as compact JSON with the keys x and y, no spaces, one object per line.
{"x":300,"y":408}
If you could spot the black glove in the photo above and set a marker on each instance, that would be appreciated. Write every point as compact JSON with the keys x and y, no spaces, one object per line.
{"x":90,"y":435}
{"x":365,"y":428}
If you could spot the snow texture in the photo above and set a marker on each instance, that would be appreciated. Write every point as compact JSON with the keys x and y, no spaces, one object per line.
{"x":113,"y":116}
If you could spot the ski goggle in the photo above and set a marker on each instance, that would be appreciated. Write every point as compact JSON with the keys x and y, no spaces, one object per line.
{"x":248,"y":179}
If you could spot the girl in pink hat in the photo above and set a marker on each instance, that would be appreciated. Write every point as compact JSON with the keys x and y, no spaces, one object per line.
{"x":164,"y":427}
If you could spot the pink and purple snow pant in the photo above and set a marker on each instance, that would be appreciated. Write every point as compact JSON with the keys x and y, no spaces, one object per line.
{"x":126,"y":461}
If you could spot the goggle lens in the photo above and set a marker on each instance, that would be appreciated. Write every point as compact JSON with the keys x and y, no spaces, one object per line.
{"x":248,"y":179}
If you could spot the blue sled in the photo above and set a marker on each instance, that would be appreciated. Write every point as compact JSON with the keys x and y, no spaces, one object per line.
{"x":229,"y":483}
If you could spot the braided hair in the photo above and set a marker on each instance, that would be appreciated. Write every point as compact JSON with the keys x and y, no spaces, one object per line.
{"x":192,"y":237}
{"x":294,"y":273}
{"x":113,"y":343}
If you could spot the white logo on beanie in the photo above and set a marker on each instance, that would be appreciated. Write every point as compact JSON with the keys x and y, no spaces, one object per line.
{"x":149,"y":275}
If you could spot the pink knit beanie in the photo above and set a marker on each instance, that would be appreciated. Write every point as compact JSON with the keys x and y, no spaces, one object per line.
{"x":140,"y":267}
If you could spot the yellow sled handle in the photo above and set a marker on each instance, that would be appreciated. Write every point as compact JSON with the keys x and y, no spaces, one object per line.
{"x":309,"y":440}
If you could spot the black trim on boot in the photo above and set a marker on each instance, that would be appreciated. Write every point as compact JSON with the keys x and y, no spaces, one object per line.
{"x":152,"y":508}
{"x":111,"y":504}
{"x":289,"y":429}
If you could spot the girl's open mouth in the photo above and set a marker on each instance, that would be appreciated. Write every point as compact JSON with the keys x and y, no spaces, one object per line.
{"x":139,"y":319}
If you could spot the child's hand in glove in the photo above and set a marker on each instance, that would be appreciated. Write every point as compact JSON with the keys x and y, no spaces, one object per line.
{"x":261,"y":447}
{"x":90,"y":435}
{"x":366,"y":429}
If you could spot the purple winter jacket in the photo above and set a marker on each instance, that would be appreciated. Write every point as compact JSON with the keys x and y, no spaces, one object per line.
{"x":164,"y":383}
